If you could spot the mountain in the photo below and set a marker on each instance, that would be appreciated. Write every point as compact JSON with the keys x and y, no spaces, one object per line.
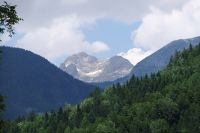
{"x":166,"y":102}
{"x":31,"y":83}
{"x":89,"y":69}
{"x":155,"y":62}
{"x":159,"y":60}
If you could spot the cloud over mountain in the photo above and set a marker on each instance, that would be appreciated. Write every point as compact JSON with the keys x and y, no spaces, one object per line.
{"x":135,"y":55}
{"x":159,"y":27}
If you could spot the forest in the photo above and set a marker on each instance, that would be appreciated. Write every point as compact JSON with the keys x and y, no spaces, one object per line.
{"x":166,"y":102}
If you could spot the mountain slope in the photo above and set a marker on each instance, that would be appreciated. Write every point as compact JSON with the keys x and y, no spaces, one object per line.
{"x":159,"y":60}
{"x":89,"y":69}
{"x":30,"y":83}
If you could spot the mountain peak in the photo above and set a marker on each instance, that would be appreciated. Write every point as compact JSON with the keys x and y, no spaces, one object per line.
{"x":80,"y":59}
{"x":82,"y":54}
{"x":90,"y":69}
{"x":117,"y":58}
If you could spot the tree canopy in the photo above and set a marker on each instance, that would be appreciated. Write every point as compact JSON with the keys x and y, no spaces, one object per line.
{"x":8,"y":18}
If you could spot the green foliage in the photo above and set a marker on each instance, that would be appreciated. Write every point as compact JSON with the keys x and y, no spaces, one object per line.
{"x":166,"y":102}
{"x":106,"y":127}
{"x":159,"y":126}
{"x":8,"y":18}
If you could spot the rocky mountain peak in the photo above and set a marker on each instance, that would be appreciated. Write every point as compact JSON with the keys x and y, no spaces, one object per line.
{"x":90,"y":69}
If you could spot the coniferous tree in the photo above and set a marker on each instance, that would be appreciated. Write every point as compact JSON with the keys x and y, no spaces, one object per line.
{"x":190,"y":47}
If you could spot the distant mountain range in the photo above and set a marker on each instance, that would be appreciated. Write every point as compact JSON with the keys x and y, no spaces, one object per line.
{"x":157,"y":61}
{"x":31,"y":83}
{"x":89,"y":69}
{"x":117,"y":69}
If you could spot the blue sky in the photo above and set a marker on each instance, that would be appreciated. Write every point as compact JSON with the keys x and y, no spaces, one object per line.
{"x":132,"y":29}
{"x":116,"y":34}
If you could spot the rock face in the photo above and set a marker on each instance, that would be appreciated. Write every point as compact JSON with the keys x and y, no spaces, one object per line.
{"x":89,"y":69}
{"x":31,"y":83}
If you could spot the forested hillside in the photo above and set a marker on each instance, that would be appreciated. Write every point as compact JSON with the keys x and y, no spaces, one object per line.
{"x":168,"y":101}
{"x":29,"y":82}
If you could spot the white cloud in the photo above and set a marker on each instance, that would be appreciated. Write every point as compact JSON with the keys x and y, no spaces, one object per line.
{"x":159,"y":28}
{"x":135,"y":55}
{"x":42,"y":12}
{"x":97,"y":47}
{"x":52,"y":38}
{"x":63,"y":37}
{"x":73,"y":2}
